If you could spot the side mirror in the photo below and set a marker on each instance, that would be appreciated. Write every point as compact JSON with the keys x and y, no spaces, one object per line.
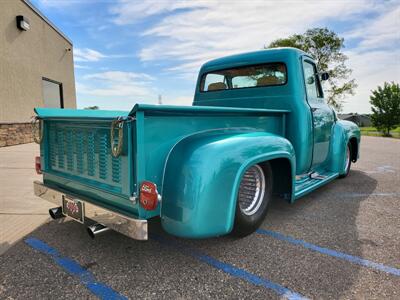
{"x":324,"y":76}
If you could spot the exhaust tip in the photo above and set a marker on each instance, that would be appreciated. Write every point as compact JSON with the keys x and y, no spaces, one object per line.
{"x":96,"y":229}
{"x":56,"y":213}
{"x":90,"y":232}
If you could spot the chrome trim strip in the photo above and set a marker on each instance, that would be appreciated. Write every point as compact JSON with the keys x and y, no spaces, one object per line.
{"x":133,"y":228}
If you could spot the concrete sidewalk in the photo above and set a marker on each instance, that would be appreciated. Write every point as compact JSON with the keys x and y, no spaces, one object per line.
{"x":20,"y":211}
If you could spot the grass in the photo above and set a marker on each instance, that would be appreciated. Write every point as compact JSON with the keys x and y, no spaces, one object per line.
{"x":372,"y":131}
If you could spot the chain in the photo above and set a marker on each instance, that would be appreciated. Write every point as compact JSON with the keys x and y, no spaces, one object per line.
{"x":37,"y":130}
{"x":116,"y":149}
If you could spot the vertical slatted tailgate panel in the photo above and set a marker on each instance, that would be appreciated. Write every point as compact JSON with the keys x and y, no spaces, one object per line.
{"x":82,"y":152}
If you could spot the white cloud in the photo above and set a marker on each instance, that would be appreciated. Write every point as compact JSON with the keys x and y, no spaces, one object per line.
{"x":371,"y":69}
{"x":115,"y":90}
{"x":90,"y":55}
{"x":191,"y":32}
{"x":87,"y":54}
{"x":185,"y":100}
{"x":130,"y":12}
{"x":57,"y":3}
{"x":119,"y":76}
{"x":215,"y":29}
{"x":77,"y":66}
{"x":382,"y":32}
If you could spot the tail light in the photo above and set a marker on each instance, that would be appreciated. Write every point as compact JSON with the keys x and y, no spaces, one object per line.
{"x":38,"y":165}
{"x":149,"y":196}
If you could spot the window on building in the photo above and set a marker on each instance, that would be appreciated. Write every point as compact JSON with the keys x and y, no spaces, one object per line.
{"x":52,"y":93}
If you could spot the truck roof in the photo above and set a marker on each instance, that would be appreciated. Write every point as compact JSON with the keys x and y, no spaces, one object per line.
{"x":255,"y":57}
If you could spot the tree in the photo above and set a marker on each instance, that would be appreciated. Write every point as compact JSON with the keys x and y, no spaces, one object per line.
{"x":386,"y":107}
{"x":325,"y":46}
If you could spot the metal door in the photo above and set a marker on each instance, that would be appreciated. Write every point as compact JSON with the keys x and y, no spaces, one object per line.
{"x":322,"y":114}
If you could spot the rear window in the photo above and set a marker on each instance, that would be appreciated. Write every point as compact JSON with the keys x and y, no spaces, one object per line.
{"x":244,"y":77}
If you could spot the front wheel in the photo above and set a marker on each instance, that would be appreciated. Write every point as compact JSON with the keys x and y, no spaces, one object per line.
{"x":347,"y":161}
{"x":254,"y":197}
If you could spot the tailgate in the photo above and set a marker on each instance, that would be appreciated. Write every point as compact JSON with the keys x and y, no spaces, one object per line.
{"x":76,"y":155}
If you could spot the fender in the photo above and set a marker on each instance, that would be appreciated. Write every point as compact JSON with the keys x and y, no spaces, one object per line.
{"x":202,"y":176}
{"x":343,"y":131}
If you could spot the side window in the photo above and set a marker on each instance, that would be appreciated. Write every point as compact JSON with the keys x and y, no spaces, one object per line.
{"x":313,"y":85}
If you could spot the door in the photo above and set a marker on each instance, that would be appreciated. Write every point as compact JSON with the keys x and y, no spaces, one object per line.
{"x":52,"y":93}
{"x":322,"y":114}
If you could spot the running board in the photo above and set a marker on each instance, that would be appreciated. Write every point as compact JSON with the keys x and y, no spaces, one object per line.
{"x":316,"y":175}
{"x":315,"y":181}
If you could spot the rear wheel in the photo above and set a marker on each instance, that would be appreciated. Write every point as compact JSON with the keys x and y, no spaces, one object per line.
{"x":347,"y":161}
{"x":253,"y":199}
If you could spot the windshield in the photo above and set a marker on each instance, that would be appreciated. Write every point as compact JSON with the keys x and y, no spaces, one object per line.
{"x":244,"y":77}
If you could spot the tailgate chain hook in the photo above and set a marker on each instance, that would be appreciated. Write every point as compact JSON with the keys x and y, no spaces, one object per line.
{"x":118,"y":124}
{"x":37,"y":129}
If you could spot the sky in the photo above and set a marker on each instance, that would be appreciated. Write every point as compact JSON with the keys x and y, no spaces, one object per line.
{"x":128,"y":51}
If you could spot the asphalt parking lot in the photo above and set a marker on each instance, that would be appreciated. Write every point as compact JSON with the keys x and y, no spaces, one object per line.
{"x":342,"y":241}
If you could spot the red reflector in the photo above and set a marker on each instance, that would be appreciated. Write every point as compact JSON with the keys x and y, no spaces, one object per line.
{"x":148,"y":195}
{"x":38,"y":165}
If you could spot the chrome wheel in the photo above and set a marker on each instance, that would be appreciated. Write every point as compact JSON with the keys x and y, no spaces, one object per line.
{"x":252,"y":190}
{"x":253,"y":199}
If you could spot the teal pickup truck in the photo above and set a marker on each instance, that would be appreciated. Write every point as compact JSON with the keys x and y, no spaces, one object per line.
{"x":259,"y":128}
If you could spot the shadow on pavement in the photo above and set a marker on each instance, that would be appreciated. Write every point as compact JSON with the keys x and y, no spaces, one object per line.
{"x":328,"y":218}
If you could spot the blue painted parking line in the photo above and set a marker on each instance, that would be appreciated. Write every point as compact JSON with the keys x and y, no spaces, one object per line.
{"x":341,"y":255}
{"x":230,"y":269}
{"x":73,"y":268}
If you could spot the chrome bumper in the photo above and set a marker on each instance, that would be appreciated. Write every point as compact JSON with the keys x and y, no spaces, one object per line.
{"x":133,"y":228}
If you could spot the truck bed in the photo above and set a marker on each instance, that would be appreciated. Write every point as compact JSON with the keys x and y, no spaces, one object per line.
{"x":76,"y":148}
